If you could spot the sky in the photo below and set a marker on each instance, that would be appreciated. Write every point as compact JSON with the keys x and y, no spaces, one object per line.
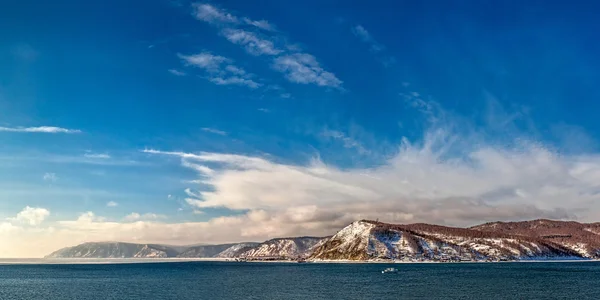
{"x":184,"y":122}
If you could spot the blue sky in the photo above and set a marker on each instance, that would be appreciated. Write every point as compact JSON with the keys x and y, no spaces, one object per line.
{"x":162,"y":119}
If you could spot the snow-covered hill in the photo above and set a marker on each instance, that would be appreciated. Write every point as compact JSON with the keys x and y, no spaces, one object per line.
{"x":368,"y":240}
{"x":115,"y":250}
{"x":236,"y":250}
{"x":290,"y":248}
{"x":580,"y":237}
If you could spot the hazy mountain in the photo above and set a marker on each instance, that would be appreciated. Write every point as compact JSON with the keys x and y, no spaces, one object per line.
{"x":115,"y":250}
{"x":205,"y":251}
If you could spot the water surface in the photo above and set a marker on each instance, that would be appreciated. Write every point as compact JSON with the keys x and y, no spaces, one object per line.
{"x":228,"y":280}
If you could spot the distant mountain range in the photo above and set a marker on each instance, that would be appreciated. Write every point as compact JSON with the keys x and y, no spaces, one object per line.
{"x":275,"y":249}
{"x":370,"y":240}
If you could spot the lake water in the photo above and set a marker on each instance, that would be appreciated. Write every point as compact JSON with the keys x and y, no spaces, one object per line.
{"x":228,"y":280}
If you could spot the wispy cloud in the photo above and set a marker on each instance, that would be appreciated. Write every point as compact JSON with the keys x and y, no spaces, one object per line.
{"x":235,"y":80}
{"x":429,"y":109}
{"x":221,"y":70}
{"x":304,"y":68}
{"x":215,"y":131}
{"x":296,"y":66}
{"x":211,"y":14}
{"x":235,"y":70}
{"x":220,"y":17}
{"x":95,"y":159}
{"x":265,"y":110}
{"x":112,"y":204}
{"x":282,"y":93}
{"x":262,"y":24}
{"x":97,"y":155}
{"x":347,"y":141}
{"x":251,"y":42}
{"x":204,"y":60}
{"x":361,"y":33}
{"x":177,"y":72}
{"x":50,"y":177}
{"x":133,"y":217}
{"x":40,"y":129}
{"x":366,"y":37}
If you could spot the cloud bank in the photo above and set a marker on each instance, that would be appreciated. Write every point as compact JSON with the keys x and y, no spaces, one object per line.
{"x":452,"y":175}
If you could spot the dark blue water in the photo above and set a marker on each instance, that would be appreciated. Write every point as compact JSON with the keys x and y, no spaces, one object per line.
{"x":214,"y":280}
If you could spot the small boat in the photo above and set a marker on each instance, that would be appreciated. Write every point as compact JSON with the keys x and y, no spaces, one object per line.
{"x":389,"y":270}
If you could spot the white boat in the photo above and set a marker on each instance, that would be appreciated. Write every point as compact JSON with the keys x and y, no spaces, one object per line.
{"x":389,"y":270}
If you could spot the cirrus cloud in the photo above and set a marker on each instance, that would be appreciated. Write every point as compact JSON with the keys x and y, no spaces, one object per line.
{"x":287,"y":58}
{"x":303,"y":68}
{"x":40,"y":129}
{"x":220,"y":70}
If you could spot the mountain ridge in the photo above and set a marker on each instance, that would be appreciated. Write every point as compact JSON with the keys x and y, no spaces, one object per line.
{"x":367,"y":240}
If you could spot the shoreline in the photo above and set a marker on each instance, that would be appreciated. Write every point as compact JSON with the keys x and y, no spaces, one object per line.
{"x":104,"y":261}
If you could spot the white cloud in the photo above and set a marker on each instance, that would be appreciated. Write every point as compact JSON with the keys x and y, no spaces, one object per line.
{"x":220,"y":17}
{"x":97,"y":155}
{"x":215,"y":131}
{"x":234,"y":80}
{"x":451,"y":176}
{"x":204,"y":60}
{"x":50,"y":177}
{"x":375,"y":47}
{"x":112,"y":204}
{"x":304,"y":68}
{"x":288,"y":59}
{"x":32,"y":215}
{"x":133,"y":217}
{"x":177,"y":72}
{"x":251,"y":42}
{"x":221,"y":70}
{"x":211,"y":14}
{"x":265,"y":110}
{"x":7,"y":227}
{"x":361,"y":33}
{"x":348,"y":141}
{"x":366,"y":37}
{"x":40,"y":129}
{"x":89,"y":217}
{"x":445,"y":178}
{"x":235,"y":70}
{"x":262,"y":24}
